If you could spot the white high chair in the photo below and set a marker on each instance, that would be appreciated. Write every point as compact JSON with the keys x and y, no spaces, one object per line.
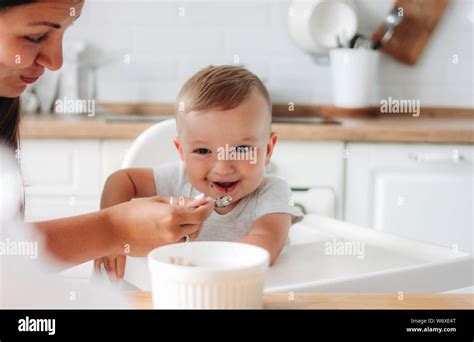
{"x":391,"y":263}
{"x":152,"y":148}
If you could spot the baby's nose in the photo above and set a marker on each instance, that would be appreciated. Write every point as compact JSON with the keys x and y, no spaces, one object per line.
{"x":223,"y":167}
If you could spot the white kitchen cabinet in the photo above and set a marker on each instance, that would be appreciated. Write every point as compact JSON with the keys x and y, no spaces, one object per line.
{"x":422,"y":192}
{"x":61,"y":177}
{"x":315,"y":172}
{"x":40,"y":208}
{"x":65,"y":177}
{"x":112,"y":152}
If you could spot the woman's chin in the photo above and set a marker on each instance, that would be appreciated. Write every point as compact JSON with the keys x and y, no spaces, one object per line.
{"x":12,"y":92}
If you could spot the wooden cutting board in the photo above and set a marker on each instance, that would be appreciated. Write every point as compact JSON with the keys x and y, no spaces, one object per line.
{"x":411,"y":36}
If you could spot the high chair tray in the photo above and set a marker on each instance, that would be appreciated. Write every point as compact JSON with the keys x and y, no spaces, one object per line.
{"x":315,"y":262}
{"x":324,"y":256}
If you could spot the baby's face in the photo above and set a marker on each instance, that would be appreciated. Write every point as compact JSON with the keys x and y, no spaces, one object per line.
{"x":225,"y":152}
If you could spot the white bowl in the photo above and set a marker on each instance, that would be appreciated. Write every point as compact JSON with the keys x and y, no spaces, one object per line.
{"x":208,"y":275}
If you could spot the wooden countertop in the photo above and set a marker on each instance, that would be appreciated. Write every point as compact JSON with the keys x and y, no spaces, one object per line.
{"x":409,"y":130}
{"x":142,"y":300}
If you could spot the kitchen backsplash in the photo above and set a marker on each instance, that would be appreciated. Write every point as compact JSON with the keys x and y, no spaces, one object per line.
{"x":148,"y":48}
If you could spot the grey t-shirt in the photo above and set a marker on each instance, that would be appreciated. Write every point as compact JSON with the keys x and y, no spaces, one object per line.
{"x":272,"y":196}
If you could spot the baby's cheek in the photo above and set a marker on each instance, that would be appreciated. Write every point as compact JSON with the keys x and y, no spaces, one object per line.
{"x":254,"y":175}
{"x":194,"y":171}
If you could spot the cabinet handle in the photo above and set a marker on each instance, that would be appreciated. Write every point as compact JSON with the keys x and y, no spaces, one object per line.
{"x":302,"y":207}
{"x":436,"y":157}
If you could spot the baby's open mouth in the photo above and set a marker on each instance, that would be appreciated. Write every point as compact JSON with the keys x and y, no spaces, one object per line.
{"x":225,"y":187}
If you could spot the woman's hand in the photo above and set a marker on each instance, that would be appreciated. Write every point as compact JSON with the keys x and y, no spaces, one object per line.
{"x":114,"y":265}
{"x":144,"y":224}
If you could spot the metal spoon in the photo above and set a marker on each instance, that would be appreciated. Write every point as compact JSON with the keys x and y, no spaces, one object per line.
{"x":392,"y":20}
{"x":220,"y":202}
{"x":223,"y":201}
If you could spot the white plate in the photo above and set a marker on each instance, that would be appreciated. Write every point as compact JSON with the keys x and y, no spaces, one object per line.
{"x":315,"y":25}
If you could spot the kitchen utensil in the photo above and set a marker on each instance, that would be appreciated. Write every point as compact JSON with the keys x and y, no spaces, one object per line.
{"x":410,"y":37}
{"x":223,"y":201}
{"x":208,"y":275}
{"x":46,"y":89}
{"x":360,"y":41}
{"x":69,"y":86}
{"x":354,"y":77}
{"x":29,"y":100}
{"x":392,"y":20}
{"x":319,"y":25}
{"x":220,"y":202}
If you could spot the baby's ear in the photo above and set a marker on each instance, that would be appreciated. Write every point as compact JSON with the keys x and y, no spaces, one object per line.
{"x":178,"y":146}
{"x":270,"y":147}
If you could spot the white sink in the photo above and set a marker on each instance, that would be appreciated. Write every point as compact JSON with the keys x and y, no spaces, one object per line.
{"x":388,"y":264}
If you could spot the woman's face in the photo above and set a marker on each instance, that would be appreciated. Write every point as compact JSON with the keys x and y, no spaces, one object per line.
{"x":31,"y":40}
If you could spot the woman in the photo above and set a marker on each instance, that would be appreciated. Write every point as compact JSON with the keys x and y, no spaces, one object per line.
{"x":31,"y":34}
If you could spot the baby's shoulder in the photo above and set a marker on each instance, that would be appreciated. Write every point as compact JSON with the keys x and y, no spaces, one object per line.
{"x":273,"y":186}
{"x":273,"y":181}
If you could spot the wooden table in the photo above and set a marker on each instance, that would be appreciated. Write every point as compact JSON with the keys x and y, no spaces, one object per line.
{"x":142,"y":300}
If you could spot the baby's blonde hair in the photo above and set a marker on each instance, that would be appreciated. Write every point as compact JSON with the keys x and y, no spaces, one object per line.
{"x":224,"y":87}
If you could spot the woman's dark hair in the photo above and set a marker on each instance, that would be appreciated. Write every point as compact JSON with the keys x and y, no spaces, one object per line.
{"x":10,"y":107}
{"x":11,"y":3}
{"x":9,"y":121}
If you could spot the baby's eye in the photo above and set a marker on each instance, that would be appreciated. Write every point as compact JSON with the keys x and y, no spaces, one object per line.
{"x":243,"y":149}
{"x":202,"y":151}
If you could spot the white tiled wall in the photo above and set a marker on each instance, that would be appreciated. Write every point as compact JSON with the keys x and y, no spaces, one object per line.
{"x":166,"y":48}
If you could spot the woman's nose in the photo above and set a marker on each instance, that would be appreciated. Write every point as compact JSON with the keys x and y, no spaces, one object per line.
{"x":51,"y":55}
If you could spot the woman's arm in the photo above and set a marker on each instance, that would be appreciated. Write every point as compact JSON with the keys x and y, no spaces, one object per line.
{"x":90,"y":236}
{"x":139,"y":225}
{"x":78,"y":239}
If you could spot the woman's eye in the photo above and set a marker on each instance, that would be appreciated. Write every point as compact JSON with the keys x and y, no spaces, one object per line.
{"x":201,"y":151}
{"x":243,"y":149}
{"x":36,"y":39}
